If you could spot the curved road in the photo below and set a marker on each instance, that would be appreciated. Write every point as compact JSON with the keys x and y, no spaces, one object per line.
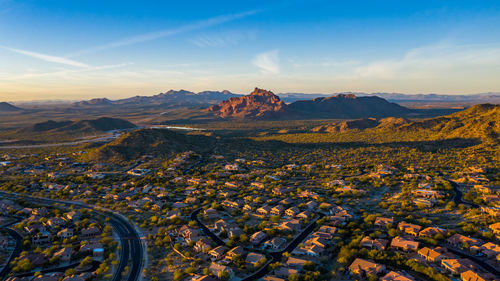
{"x":132,"y":248}
{"x":17,"y":250}
{"x":458,"y":198}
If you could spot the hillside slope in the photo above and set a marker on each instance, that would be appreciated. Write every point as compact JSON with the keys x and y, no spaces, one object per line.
{"x":477,"y":122}
{"x":153,"y":142}
{"x":81,"y":126}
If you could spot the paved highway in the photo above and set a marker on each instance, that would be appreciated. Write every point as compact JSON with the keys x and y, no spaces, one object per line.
{"x":131,"y":245}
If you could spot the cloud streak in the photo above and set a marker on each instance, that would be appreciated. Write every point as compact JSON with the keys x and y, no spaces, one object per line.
{"x":45,"y":57}
{"x":267,"y":62}
{"x":165,"y":33}
{"x":436,"y":60}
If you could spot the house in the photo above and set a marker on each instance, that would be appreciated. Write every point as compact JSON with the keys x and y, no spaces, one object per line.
{"x":205,"y":278}
{"x":457,"y":266}
{"x":272,"y":278}
{"x":65,"y":233}
{"x":201,"y":246}
{"x":318,"y":241}
{"x":235,"y":231}
{"x":365,"y":267}
{"x":490,"y":249}
{"x":216,"y":269}
{"x":190,"y":233}
{"x":308,"y":194}
{"x":327,"y":229}
{"x":432,"y":231}
{"x":195,"y":181}
{"x":378,"y":244}
{"x":296,"y":263}
{"x":221,"y":225}
{"x":257,"y":185}
{"x":41,"y":238}
{"x":89,"y":248}
{"x":64,"y":254}
{"x":324,"y":235}
{"x":397,"y":276}
{"x":254,"y":258}
{"x":311,"y":205}
{"x":247,"y":208}
{"x":264,"y":210}
{"x":492,"y":211}
{"x":311,"y":250}
{"x":54,"y":222}
{"x":289,"y":226}
{"x":218,"y":253}
{"x":258,"y":237}
{"x":236,"y":251}
{"x":404,"y":244}
{"x":408,"y":228}
{"x":423,"y":202}
{"x":495,"y":228}
{"x":292,"y":212}
{"x":275,"y":243}
{"x":382,"y":222}
{"x":285,"y":272}
{"x":211,"y":213}
{"x":470,"y":275}
{"x":277,"y":210}
{"x":429,"y":193}
{"x":91,"y":232}
{"x":458,"y":240}
{"x":430,"y":255}
{"x":231,"y":204}
{"x":305,"y":215}
{"x":281,"y":191}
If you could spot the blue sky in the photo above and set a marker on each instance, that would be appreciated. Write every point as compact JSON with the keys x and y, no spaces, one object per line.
{"x":84,"y":48}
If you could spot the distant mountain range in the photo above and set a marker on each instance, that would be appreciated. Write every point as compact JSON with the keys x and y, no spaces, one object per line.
{"x":169,"y":99}
{"x":398,"y":97}
{"x":262,"y":104}
{"x":81,"y":126}
{"x":7,"y":107}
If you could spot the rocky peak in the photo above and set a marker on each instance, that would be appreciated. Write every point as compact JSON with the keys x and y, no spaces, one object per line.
{"x":259,"y":103}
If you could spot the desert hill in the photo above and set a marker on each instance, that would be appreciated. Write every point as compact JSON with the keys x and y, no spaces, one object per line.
{"x":479,"y":121}
{"x":81,"y":126}
{"x":7,"y":107}
{"x":347,"y":106}
{"x":153,"y":142}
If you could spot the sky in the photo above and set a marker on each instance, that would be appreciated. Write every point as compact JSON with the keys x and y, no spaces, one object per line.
{"x":82,"y":49}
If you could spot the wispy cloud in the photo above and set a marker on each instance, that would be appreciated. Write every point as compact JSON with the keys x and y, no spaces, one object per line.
{"x":440,"y":59}
{"x":165,"y":33}
{"x":267,"y":62}
{"x":224,"y":39}
{"x":64,"y":73}
{"x":45,"y":57}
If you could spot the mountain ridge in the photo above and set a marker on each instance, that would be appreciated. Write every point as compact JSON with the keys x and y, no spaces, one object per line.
{"x":263,"y":104}
{"x":102,"y":124}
